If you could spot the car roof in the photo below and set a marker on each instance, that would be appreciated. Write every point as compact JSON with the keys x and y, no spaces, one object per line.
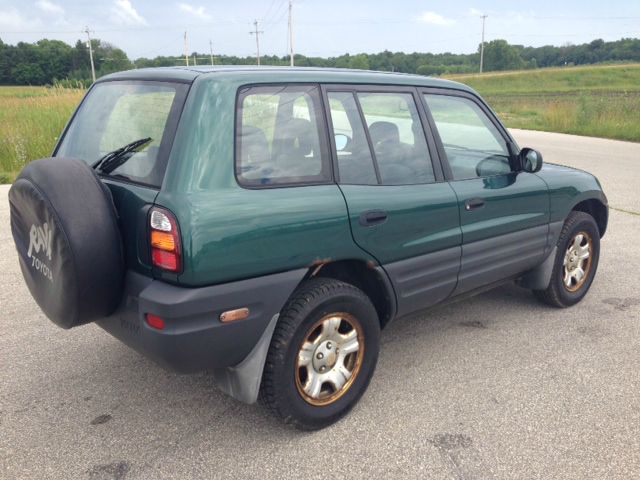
{"x":254,"y":73}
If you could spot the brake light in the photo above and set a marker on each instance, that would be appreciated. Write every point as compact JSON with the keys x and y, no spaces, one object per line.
{"x":166,"y":249}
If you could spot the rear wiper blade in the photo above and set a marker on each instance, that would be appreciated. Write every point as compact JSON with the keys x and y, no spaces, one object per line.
{"x":113,"y":160}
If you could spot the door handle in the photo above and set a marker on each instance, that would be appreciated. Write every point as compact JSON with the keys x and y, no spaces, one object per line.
{"x":373,"y":217}
{"x":474,"y":204}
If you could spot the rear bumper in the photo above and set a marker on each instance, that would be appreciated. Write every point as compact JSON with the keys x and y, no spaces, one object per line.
{"x":194,"y":338}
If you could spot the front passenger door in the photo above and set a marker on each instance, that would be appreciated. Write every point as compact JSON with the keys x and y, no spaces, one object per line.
{"x":504,"y":213}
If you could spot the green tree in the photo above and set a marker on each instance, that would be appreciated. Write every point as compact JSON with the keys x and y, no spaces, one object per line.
{"x":55,"y":59}
{"x":27,"y":74}
{"x":360,"y":62}
{"x":431,"y":70}
{"x":499,"y":55}
{"x":108,"y":58}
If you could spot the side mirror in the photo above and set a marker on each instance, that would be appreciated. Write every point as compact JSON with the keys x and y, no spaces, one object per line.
{"x":530,"y":160}
{"x":342,"y":141}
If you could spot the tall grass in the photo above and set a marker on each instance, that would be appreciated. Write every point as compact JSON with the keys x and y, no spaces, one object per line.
{"x":609,"y":116}
{"x":593,"y":78}
{"x":600,"y":101}
{"x":31,"y":119}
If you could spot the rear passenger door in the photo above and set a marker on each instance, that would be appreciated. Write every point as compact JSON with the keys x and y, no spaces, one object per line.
{"x":401,"y":210}
{"x":504,"y":212}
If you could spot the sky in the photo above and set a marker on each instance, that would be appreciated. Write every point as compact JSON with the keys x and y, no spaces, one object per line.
{"x":144,"y":28}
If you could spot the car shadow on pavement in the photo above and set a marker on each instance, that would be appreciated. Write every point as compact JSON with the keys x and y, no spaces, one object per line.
{"x":126,"y":384}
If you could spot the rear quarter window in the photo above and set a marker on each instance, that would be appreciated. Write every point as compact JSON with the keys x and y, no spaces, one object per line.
{"x":279,"y":138}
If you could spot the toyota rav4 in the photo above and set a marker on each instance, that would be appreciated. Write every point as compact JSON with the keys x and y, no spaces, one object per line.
{"x":266,"y":223}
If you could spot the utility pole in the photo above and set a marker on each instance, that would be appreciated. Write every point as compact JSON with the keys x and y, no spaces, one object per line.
{"x":484,"y":17}
{"x":257,"y":33}
{"x":93,"y":68}
{"x":186,"y":49}
{"x":291,"y":31}
{"x":211,"y":50}
{"x":195,"y":59}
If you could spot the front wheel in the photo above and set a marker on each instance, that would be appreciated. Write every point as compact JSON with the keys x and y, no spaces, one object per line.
{"x":576,"y":262}
{"x":322,"y":356}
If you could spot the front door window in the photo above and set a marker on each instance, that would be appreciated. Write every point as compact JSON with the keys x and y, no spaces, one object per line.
{"x":473,"y":145}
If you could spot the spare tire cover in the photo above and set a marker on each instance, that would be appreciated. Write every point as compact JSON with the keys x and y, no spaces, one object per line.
{"x":65,"y":228}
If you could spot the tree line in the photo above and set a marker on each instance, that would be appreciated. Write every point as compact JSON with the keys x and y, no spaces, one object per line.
{"x":50,"y":61}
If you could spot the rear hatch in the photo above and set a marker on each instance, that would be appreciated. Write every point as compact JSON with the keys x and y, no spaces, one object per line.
{"x":117,"y":113}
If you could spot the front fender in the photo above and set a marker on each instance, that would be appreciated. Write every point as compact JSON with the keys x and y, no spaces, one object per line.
{"x":571,"y":189}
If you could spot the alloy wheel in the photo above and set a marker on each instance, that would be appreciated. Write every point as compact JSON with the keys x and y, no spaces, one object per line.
{"x":577,"y":261}
{"x":329,"y":358}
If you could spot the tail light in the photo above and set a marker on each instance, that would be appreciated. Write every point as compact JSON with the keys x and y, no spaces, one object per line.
{"x":166,"y":249}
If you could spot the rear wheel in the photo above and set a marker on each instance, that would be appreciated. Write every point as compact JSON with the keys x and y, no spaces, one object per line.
{"x":576,"y":262}
{"x":322,"y":355}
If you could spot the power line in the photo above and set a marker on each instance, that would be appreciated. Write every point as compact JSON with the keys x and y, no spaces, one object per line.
{"x":264,"y":17}
{"x":157,"y":49}
{"x":277,"y":11}
{"x":284,"y":14}
{"x":278,"y":14}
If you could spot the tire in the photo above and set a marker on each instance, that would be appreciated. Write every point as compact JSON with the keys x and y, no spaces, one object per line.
{"x":289,"y":375}
{"x":64,"y":226}
{"x":560,"y":294}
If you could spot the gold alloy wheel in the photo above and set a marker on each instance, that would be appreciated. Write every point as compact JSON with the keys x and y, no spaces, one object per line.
{"x":577,"y":261}
{"x":329,"y":358}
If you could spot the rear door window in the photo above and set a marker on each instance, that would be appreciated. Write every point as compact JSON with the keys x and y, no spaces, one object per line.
{"x":117,"y":113}
{"x":278,"y":137}
{"x":379,"y":139}
{"x":397,"y":137}
{"x":355,"y":163}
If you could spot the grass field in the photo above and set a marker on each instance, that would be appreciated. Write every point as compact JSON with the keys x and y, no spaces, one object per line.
{"x":31,"y":118}
{"x":602,"y":101}
{"x":599,"y":101}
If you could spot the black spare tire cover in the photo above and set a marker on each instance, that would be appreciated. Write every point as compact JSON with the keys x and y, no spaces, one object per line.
{"x":65,"y":228}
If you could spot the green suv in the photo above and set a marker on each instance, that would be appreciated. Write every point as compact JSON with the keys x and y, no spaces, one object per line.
{"x":266,"y":223}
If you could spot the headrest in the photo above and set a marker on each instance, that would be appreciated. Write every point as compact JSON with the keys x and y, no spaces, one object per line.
{"x":253,"y":145}
{"x":384,"y":132}
{"x":296,"y":137}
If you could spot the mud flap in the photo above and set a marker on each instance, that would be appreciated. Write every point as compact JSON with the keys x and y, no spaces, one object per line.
{"x":242,"y":382}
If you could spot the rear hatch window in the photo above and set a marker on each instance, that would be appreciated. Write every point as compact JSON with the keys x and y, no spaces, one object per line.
{"x":118,"y":113}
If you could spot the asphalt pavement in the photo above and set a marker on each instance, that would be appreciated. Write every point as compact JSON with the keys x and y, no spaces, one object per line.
{"x":498,"y":386}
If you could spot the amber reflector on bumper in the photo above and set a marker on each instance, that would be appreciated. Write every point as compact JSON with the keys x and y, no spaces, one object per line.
{"x":233,"y":315}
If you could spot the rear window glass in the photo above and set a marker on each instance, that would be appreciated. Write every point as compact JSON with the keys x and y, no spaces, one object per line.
{"x":278,"y":137}
{"x":115,"y":114}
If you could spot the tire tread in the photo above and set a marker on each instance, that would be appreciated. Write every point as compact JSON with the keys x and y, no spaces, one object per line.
{"x":291,"y":316}
{"x":551,"y":295}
